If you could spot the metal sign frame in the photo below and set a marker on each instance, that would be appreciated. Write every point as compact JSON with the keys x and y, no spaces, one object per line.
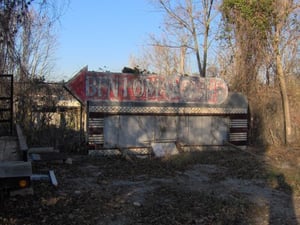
{"x":151,"y":88}
{"x":6,"y":102}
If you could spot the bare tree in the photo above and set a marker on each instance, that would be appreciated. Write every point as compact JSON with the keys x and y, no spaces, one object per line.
{"x":13,"y":13}
{"x":281,"y":19}
{"x":27,"y":41}
{"x":19,"y":23}
{"x":263,"y":31}
{"x":190,"y":21}
{"x":161,"y":59}
{"x":37,"y":45}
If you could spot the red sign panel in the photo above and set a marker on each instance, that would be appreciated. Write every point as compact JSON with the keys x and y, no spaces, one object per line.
{"x":124,"y":87}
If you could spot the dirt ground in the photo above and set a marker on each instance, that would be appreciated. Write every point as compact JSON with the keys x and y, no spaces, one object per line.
{"x":211,"y":187}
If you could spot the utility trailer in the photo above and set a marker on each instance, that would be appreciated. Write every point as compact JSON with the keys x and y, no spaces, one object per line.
{"x":16,"y":174}
{"x":15,"y":165}
{"x":16,"y":178}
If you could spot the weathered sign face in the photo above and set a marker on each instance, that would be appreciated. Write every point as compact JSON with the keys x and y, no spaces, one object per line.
{"x":124,"y":87}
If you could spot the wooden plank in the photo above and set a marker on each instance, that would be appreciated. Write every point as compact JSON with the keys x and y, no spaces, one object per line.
{"x":49,"y":156}
{"x":22,"y":139}
{"x":15,"y":169}
{"x":41,"y":150}
{"x":47,"y":177}
{"x":53,"y":178}
{"x":9,"y":149}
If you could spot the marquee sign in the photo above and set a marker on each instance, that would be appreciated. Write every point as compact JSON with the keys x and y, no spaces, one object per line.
{"x":124,"y":87}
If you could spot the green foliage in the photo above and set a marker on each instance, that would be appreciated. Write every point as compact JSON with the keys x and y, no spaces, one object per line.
{"x":257,"y":13}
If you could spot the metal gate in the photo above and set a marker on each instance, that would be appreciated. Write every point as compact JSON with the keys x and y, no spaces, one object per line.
{"x":6,"y":104}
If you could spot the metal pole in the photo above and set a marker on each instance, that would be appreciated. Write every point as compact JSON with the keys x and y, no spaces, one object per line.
{"x":11,"y":104}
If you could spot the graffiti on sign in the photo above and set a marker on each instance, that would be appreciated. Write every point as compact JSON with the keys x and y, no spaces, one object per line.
{"x":124,"y":87}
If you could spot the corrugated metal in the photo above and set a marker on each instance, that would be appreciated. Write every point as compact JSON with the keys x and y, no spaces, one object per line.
{"x":237,"y":137}
{"x":239,"y":123}
{"x":95,"y":131}
{"x":96,"y":122}
{"x":239,"y":130}
{"x":96,"y":139}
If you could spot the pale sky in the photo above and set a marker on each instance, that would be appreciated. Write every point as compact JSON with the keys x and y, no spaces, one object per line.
{"x":103,"y":34}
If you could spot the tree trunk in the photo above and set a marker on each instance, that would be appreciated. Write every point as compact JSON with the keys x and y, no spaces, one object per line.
{"x":196,"y":46}
{"x":182,"y":60}
{"x":205,"y":49}
{"x":195,"y":38}
{"x":283,"y":92}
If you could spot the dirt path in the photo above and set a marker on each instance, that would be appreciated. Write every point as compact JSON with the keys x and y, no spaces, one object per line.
{"x":115,"y":191}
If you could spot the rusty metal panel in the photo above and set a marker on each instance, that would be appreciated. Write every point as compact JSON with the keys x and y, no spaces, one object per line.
{"x":219,"y":130}
{"x":136,"y":131}
{"x":203,"y":130}
{"x":199,"y":130}
{"x":111,"y":131}
{"x":139,"y":131}
{"x":128,"y":131}
{"x":166,"y":128}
